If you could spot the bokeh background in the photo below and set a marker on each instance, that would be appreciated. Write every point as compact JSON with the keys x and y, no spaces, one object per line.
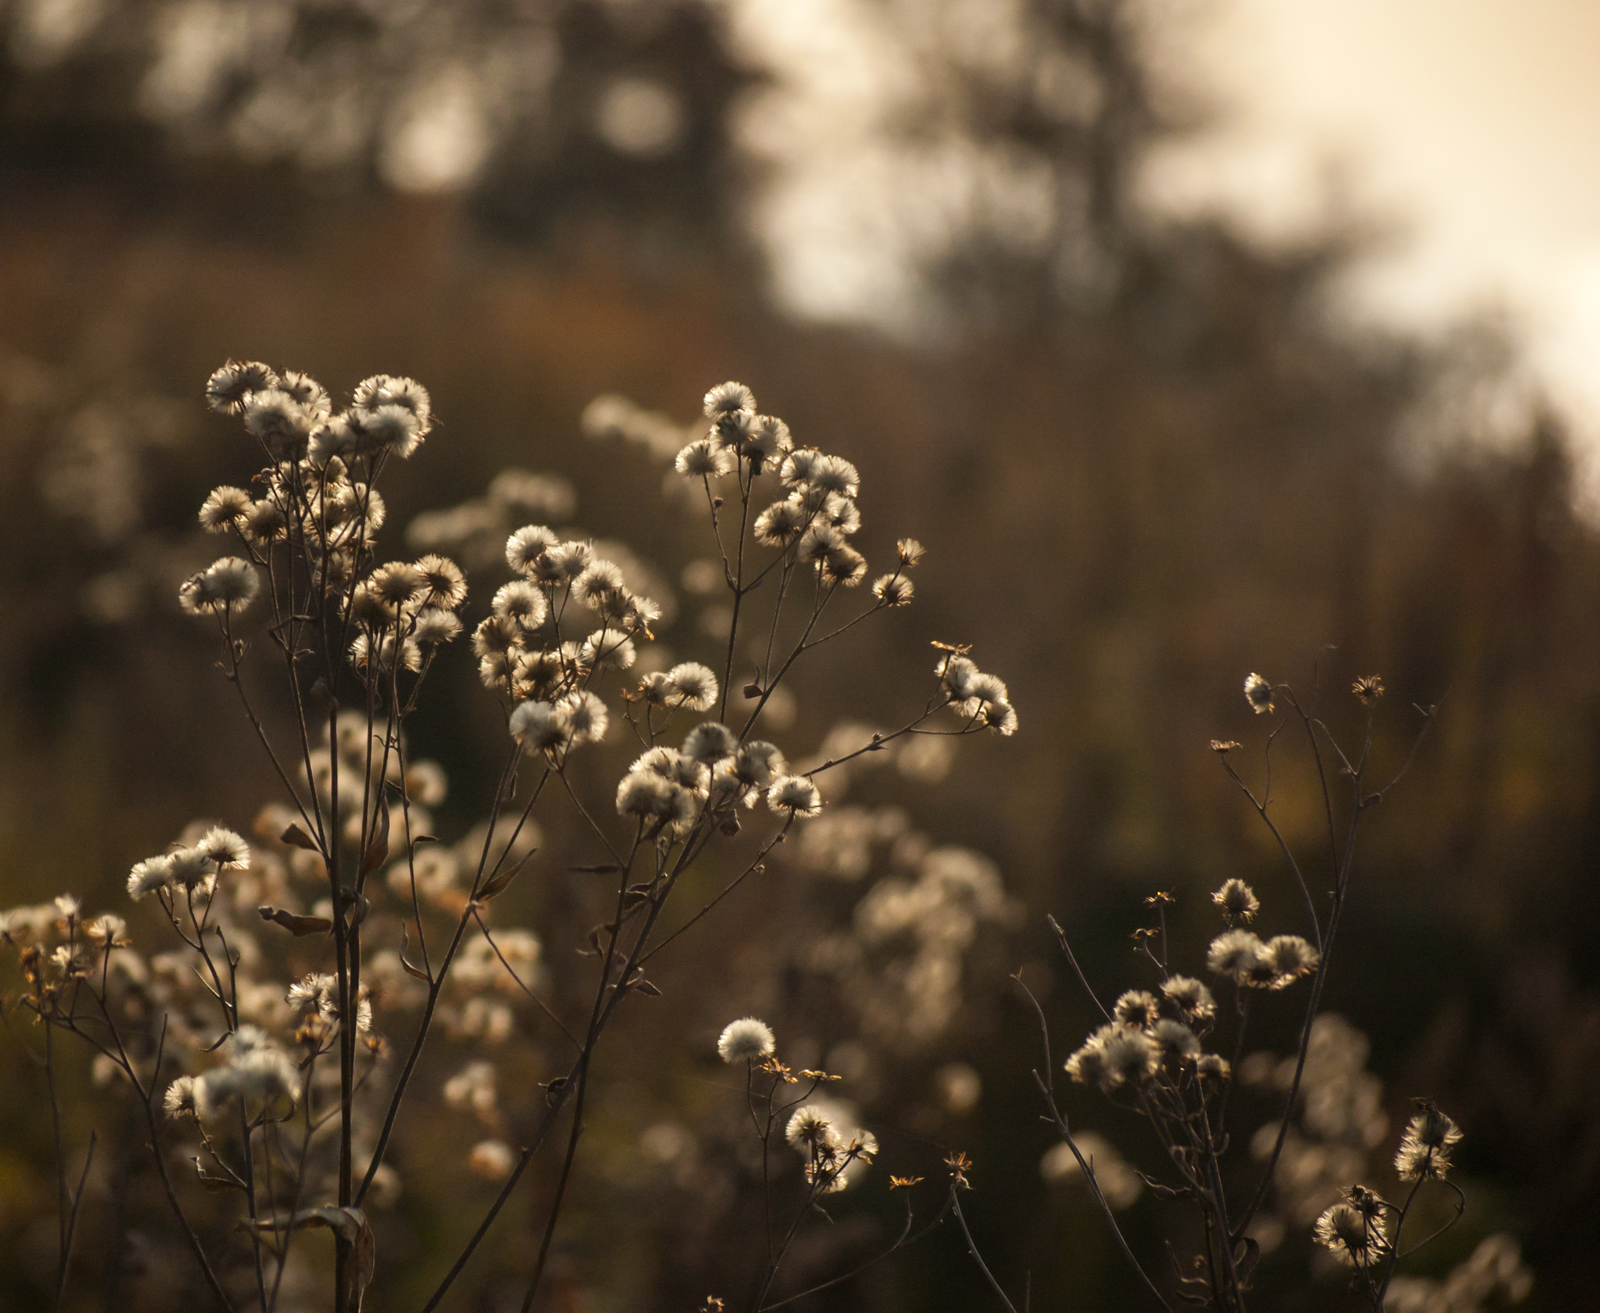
{"x":1194,"y":339}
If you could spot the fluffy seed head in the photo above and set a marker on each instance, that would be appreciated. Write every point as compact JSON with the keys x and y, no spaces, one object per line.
{"x":222,"y":507}
{"x":1137,"y":1008}
{"x":746,"y":1040}
{"x":527,"y":544}
{"x":1234,"y":953}
{"x":893,"y":590}
{"x":1290,"y":957}
{"x":727,"y":398}
{"x":1258,"y":693}
{"x":692,"y":685}
{"x":703,"y":459}
{"x":709,"y":741}
{"x":1192,"y":999}
{"x":796,"y":795}
{"x":447,"y":586}
{"x":1237,"y":900}
{"x":231,"y":386}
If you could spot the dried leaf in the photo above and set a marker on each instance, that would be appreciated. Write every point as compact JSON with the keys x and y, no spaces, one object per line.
{"x":349,"y":1226}
{"x":295,"y":837}
{"x":415,"y":972}
{"x":298,"y":926}
{"x":378,"y":848}
{"x":498,"y":885}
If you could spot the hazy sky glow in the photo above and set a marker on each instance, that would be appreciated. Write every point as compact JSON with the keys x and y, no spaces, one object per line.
{"x":1468,"y":131}
{"x":1472,"y":126}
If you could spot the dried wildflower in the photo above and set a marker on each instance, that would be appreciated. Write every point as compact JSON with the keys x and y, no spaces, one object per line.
{"x":434,"y":626}
{"x":191,"y":868}
{"x":388,"y":428}
{"x":564,"y":562}
{"x":149,"y":875}
{"x":308,"y":392}
{"x":692,"y":685}
{"x":599,"y":578}
{"x":781,"y":523}
{"x":893,"y":590}
{"x":757,"y":763}
{"x":447,"y":586}
{"x":810,"y":1131}
{"x":522,"y":603}
{"x":539,"y":726}
{"x":727,"y":399}
{"x":586,"y":715}
{"x":1237,"y":900}
{"x":768,"y":437}
{"x":179,"y":1100}
{"x":796,"y":795}
{"x":647,"y":795}
{"x":1235,"y":953}
{"x":279,"y":422}
{"x":222,"y":507}
{"x":527,"y":545}
{"x":1173,"y":1039}
{"x":1128,"y":1056}
{"x":1258,"y":693}
{"x":709,"y":742}
{"x":388,"y":390}
{"x":1425,"y":1147}
{"x":230,"y":387}
{"x":1224,"y":746}
{"x":607,"y":649}
{"x":703,"y":459}
{"x":1137,"y":1008}
{"x":1000,"y":717}
{"x":910,"y":551}
{"x":834,"y":474}
{"x":746,"y":1040}
{"x":398,"y":583}
{"x":1209,"y":1066}
{"x":1290,"y":957}
{"x":1355,"y":1234}
{"x":263,"y":522}
{"x":1192,"y":999}
{"x":227,"y":849}
{"x":1369,"y":688}
{"x":379,"y":655}
{"x":226,"y":586}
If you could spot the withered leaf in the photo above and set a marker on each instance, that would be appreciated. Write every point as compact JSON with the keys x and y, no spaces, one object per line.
{"x":296,"y":925}
{"x":498,"y":885}
{"x":295,"y":837}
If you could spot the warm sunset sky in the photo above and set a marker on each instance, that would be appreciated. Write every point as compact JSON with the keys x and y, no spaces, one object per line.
{"x":1468,"y":130}
{"x":1473,"y":125}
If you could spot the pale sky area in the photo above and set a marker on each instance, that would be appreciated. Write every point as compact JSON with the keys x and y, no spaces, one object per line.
{"x":1472,"y":125}
{"x":1468,"y":131}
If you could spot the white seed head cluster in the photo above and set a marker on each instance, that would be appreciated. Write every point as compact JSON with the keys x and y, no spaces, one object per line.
{"x":746,"y":1040}
{"x":1274,"y":964}
{"x":1151,"y":1036}
{"x":1259,"y":694}
{"x":190,"y":869}
{"x":1425,"y":1147}
{"x":833,"y":1149}
{"x":1356,"y":1230}
{"x":980,"y":699}
{"x":318,"y":502}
